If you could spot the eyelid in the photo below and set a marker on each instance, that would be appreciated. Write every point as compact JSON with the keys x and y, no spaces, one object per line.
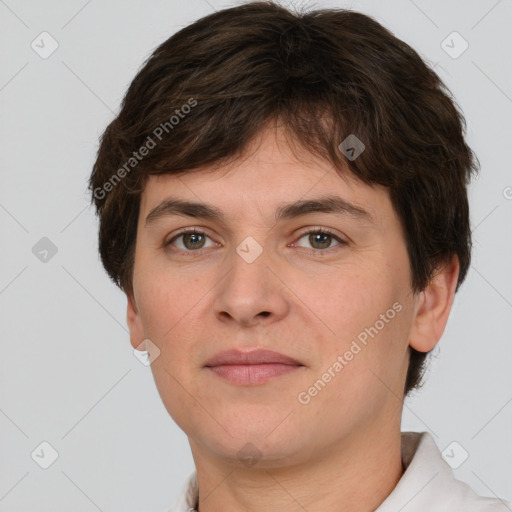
{"x":309,"y":230}
{"x":341,"y":239}
{"x":321,"y":229}
{"x":186,"y":231}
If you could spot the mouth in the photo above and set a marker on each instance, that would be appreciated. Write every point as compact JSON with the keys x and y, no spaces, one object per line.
{"x":251,"y":368}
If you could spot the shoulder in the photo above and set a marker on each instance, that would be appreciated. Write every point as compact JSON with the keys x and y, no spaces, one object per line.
{"x":187,"y":498}
{"x":465,"y":498}
{"x":429,"y":484}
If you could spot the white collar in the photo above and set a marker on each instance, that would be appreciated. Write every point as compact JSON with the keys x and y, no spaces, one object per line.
{"x":427,"y":485}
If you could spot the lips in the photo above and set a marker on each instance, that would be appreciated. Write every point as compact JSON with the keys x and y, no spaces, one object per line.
{"x":235,"y":357}
{"x":251,"y":368}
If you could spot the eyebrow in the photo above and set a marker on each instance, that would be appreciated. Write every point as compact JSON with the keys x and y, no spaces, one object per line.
{"x":326,"y":204}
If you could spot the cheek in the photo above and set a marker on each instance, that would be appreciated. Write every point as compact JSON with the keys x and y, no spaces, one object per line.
{"x":349,"y":299}
{"x":368,"y":320}
{"x":156,"y":308}
{"x":173,"y":309}
{"x":165,"y":299}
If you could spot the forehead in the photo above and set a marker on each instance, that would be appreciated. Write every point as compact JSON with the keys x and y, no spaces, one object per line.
{"x":270,"y":172}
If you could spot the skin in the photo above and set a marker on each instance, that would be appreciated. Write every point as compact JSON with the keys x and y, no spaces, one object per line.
{"x":341,"y":450}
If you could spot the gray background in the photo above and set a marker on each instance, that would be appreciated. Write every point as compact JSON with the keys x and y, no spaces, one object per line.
{"x":68,"y":374}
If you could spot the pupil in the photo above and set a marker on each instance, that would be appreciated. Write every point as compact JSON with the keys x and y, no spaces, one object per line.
{"x":194,"y":238}
{"x":317,"y":238}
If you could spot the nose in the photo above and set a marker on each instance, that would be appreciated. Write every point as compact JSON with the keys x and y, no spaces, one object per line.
{"x":252,"y":292}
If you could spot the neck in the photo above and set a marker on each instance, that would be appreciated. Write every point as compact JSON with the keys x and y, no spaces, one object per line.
{"x":355,"y":475}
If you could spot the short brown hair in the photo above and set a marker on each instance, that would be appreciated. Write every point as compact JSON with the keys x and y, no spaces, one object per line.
{"x":211,"y":87}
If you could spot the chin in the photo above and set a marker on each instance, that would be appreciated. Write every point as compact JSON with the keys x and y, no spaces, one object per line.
{"x":260,"y":441}
{"x":258,"y":453}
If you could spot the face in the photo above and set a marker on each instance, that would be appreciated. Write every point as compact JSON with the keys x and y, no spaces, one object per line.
{"x":324,"y":284}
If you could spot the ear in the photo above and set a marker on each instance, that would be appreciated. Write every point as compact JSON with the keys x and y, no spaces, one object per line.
{"x":134,"y":323}
{"x":433,"y":307}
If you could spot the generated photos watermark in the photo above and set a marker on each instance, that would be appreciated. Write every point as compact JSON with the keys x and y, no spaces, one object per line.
{"x":149,"y":144}
{"x":304,"y":397}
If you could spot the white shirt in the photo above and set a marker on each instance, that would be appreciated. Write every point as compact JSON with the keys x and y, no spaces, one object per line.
{"x":427,"y":485}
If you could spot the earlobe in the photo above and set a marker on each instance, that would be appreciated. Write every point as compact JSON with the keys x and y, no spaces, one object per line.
{"x":134,"y":322}
{"x":434,"y":305}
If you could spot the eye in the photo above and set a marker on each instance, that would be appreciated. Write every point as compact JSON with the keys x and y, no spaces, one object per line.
{"x":190,"y":240}
{"x":321,"y":239}
{"x":193,"y":240}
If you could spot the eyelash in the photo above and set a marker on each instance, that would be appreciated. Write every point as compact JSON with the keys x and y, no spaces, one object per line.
{"x":314,"y":252}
